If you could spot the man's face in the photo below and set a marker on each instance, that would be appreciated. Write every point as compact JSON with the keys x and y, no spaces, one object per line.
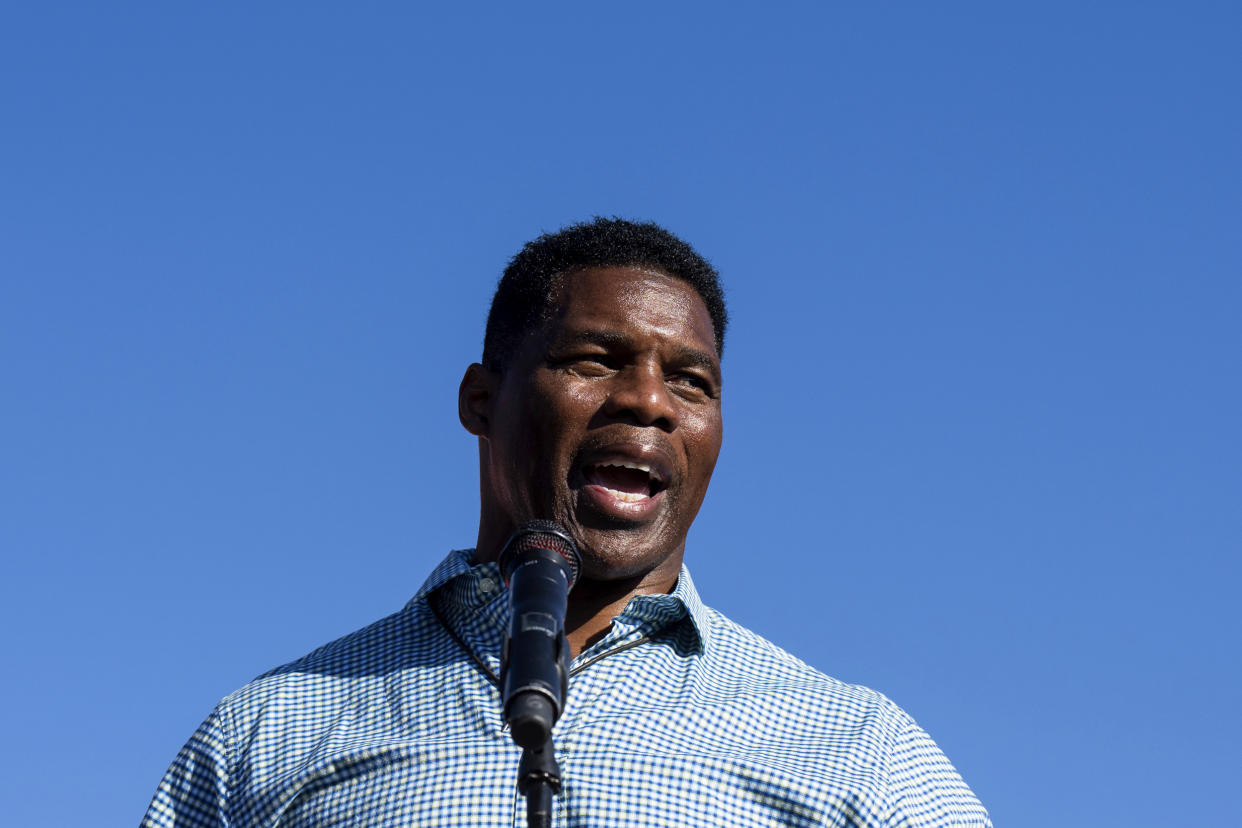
{"x":608,"y":420}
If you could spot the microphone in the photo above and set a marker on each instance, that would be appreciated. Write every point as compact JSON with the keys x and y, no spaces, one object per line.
{"x":540,"y":563}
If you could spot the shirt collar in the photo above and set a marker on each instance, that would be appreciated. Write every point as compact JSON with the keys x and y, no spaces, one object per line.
{"x":462,"y":585}
{"x":459,"y":562}
{"x":654,"y":612}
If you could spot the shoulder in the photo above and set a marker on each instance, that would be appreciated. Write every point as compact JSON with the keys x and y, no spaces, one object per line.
{"x":353,"y":666}
{"x":836,"y":726}
{"x":792,"y":710}
{"x":375,"y":646}
{"x":739,"y":657}
{"x":736,"y":661}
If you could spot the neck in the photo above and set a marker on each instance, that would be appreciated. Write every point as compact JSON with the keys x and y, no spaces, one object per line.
{"x":594,"y":604}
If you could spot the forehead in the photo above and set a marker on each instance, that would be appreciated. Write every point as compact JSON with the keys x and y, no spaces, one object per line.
{"x":633,"y":302}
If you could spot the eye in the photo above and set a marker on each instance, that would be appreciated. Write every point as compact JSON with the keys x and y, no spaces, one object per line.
{"x":692,"y":383}
{"x":588,"y":365}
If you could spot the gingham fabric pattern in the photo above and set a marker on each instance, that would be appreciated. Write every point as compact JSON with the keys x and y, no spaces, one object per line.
{"x":677,"y":717}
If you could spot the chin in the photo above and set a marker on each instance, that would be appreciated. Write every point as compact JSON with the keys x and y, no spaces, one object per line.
{"x":617,"y":554}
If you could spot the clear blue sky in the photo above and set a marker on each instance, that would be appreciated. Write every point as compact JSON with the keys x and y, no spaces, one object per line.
{"x":982,"y":390}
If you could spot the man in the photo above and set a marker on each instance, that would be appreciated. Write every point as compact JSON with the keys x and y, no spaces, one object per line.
{"x":597,"y":405}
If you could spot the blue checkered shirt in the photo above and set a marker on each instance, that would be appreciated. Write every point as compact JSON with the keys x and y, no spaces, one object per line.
{"x":676,"y":717}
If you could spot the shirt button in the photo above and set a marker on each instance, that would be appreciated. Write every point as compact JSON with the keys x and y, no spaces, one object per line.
{"x":487,"y":586}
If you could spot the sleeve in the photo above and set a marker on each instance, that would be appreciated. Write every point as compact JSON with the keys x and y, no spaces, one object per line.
{"x":925,"y":789}
{"x":194,"y":791}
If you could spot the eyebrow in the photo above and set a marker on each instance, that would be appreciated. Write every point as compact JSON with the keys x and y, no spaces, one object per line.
{"x":683,"y":354}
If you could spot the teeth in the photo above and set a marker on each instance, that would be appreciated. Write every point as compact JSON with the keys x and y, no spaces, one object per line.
{"x":626,"y":464}
{"x":626,"y":497}
{"x":631,"y":497}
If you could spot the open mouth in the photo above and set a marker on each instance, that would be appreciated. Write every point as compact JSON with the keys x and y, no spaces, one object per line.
{"x":627,"y":481}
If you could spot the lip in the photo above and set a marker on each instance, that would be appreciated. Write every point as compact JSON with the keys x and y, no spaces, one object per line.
{"x":600,"y":499}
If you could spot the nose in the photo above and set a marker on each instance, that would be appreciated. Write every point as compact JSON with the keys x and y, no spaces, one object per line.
{"x":639,"y":395}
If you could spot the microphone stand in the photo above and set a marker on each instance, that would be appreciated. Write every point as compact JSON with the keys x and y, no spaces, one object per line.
{"x":539,"y":778}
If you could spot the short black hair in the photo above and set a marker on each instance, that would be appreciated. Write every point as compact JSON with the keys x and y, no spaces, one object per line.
{"x":524,"y":295}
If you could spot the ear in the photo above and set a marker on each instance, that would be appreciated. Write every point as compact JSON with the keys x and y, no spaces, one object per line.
{"x":474,"y":399}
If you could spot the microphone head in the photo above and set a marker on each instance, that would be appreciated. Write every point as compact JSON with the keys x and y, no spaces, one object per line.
{"x":541,"y":534}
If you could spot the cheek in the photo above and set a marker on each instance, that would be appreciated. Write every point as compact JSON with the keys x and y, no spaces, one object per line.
{"x":704,"y":432}
{"x":570,"y":405}
{"x":557,"y":419}
{"x":704,"y":448}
